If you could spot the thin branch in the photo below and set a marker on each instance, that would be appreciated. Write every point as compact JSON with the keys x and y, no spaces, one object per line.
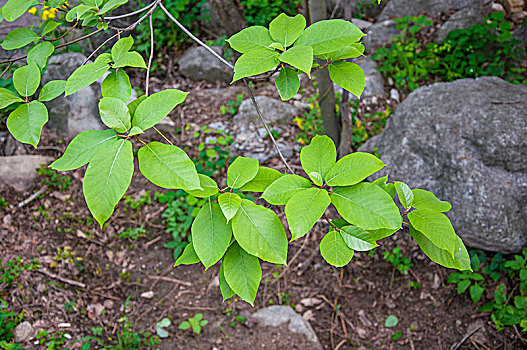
{"x":131,"y":13}
{"x":136,"y":23}
{"x":193,"y":37}
{"x":98,"y":48}
{"x":162,"y":135}
{"x":151,"y":56}
{"x":5,"y":70}
{"x":62,"y":279}
{"x":32,"y":197}
{"x":266,"y":126}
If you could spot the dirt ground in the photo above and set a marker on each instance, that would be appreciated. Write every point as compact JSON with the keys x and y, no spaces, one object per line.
{"x":349,"y":307}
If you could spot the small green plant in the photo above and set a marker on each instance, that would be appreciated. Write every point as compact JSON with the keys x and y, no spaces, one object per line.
{"x":262,"y":12}
{"x":136,"y":203}
{"x":310,"y":123}
{"x":213,"y":150}
{"x":54,"y":179}
{"x":505,"y":314}
{"x":52,"y":340}
{"x":400,"y":262}
{"x":127,"y":337}
{"x":10,"y":271}
{"x":196,"y":323}
{"x":3,"y":203}
{"x":133,"y":233}
{"x":232,"y":107}
{"x":470,"y":280}
{"x":8,"y":321}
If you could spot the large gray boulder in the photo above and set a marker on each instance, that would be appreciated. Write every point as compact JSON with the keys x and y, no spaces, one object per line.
{"x":198,"y":63}
{"x":78,"y":112}
{"x":380,"y":34}
{"x":462,"y":19}
{"x":401,"y":8}
{"x":252,"y":139}
{"x":466,"y":141}
{"x":19,"y":171}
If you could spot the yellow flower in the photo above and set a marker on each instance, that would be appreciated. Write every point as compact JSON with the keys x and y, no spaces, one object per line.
{"x":300,"y":140}
{"x":32,"y":10}
{"x":299,"y":123}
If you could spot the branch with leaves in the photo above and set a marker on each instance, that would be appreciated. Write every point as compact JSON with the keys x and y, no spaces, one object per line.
{"x":229,"y":228}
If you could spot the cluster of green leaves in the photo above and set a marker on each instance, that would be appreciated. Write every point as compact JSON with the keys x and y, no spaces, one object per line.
{"x":195,"y":323}
{"x":508,"y":307}
{"x":213,"y":149}
{"x":190,"y":13}
{"x":8,"y":321}
{"x":293,"y":48}
{"x":262,"y":12}
{"x":486,"y":49}
{"x":10,"y":271}
{"x":232,"y":107}
{"x":127,"y":337}
{"x":54,"y":179}
{"x":239,"y":232}
{"x":401,"y":263}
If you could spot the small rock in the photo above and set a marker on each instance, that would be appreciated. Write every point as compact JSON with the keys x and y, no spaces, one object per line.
{"x":19,"y":172}
{"x":309,"y":302}
{"x":274,"y":111}
{"x":458,"y":323}
{"x":380,"y":34}
{"x":299,"y":308}
{"x":390,"y":303}
{"x":198,"y":63}
{"x":394,"y":95}
{"x":147,"y":295}
{"x":64,"y":325}
{"x":23,"y":332}
{"x":278,"y":315}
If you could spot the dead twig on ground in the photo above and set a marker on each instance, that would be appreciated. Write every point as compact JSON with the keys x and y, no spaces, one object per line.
{"x":62,"y":279}
{"x":32,"y":197}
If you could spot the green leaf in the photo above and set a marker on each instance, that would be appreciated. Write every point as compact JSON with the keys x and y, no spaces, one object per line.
{"x":156,"y":107}
{"x":382,"y":233}
{"x":319,"y":156}
{"x":348,"y":76}
{"x":347,"y":52}
{"x":476,"y":292}
{"x":225,"y":289}
{"x":462,"y":286}
{"x":285,"y":29}
{"x":85,"y":75}
{"x":304,"y":209}
{"x":281,"y":190}
{"x":435,"y":226}
{"x":300,"y":57}
{"x":358,"y":239}
{"x":242,"y":272}
{"x":249,"y":39}
{"x":82,"y":149}
{"x":188,"y":257}
{"x":107,"y":177}
{"x":40,"y":53}
{"x":329,"y":36}
{"x":130,"y":59}
{"x":26,"y":122}
{"x":208,"y":185}
{"x":316,"y":178}
{"x":49,"y":27}
{"x":26,"y":79}
{"x":406,"y":196}
{"x":264,"y":177}
{"x":241,"y":171}
{"x":18,"y":38}
{"x":287,"y":83}
{"x":168,"y":166}
{"x":114,"y":114}
{"x":7,"y":98}
{"x":460,"y":261}
{"x":111,"y":5}
{"x":135,"y":131}
{"x":229,"y":204}
{"x":391,"y":321}
{"x":184,"y":325}
{"x":277,"y":46}
{"x":427,"y":200}
{"x":132,"y":106}
{"x":121,"y":47}
{"x":260,"y":232}
{"x":211,"y":234}
{"x":353,"y":168}
{"x":367,"y":206}
{"x":334,"y":250}
{"x":52,"y":90}
{"x":117,"y":85}
{"x":16,"y":8}
{"x":255,"y":62}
